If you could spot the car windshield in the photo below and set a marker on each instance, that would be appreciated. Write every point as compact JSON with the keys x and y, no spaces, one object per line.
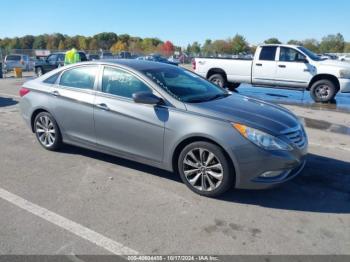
{"x":13,"y":58}
{"x":309,"y":53}
{"x":185,"y":85}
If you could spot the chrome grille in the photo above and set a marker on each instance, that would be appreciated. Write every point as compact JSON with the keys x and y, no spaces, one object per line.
{"x":296,"y":136}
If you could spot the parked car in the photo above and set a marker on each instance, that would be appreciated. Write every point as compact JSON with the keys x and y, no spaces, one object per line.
{"x":174,"y":60}
{"x":16,"y":60}
{"x":106,"y":55}
{"x":92,"y":57}
{"x":344,"y":58}
{"x":328,"y":56}
{"x":53,"y":61}
{"x":157,"y":58}
{"x":165,"y":116}
{"x":125,"y":55}
{"x":290,"y":66}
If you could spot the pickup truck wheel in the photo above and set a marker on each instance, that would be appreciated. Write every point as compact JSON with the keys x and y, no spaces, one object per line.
{"x":218,"y":80}
{"x":39,"y":71}
{"x":323,"y":91}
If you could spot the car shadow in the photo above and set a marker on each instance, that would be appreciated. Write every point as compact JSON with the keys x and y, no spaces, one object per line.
{"x":323,"y":186}
{"x":5,"y":101}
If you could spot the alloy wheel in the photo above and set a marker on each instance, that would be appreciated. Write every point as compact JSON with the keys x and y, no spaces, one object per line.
{"x":322,"y":91}
{"x":203,"y":169}
{"x":45,"y":131}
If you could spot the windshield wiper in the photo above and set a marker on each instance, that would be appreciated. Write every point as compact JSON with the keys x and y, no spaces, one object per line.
{"x":218,"y":96}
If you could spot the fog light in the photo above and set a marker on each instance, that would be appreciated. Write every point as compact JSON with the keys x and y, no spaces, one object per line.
{"x":272,"y":173}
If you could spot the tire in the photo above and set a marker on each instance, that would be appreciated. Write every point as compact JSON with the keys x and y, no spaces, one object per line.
{"x":193,"y":170}
{"x":218,"y":79}
{"x":233,"y":86}
{"x":47,"y":131}
{"x":323,"y":91}
{"x":39,"y":71}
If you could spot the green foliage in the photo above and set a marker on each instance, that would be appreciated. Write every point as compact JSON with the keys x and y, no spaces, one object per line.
{"x":272,"y":40}
{"x":311,"y":44}
{"x":332,"y":43}
{"x":239,"y":44}
{"x":347,"y":48}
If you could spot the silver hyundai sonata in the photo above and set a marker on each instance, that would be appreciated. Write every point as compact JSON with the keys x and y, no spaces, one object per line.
{"x":167,"y":117}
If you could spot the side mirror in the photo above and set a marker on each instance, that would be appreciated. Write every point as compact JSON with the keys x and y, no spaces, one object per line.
{"x":146,"y":98}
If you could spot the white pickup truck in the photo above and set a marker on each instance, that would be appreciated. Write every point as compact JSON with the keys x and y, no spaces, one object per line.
{"x":282,"y":66}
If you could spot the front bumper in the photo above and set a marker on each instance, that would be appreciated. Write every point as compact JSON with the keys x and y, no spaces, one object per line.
{"x":344,"y":85}
{"x":254,"y":162}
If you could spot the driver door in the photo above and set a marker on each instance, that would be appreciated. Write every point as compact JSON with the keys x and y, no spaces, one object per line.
{"x":293,"y":69}
{"x":124,"y":127}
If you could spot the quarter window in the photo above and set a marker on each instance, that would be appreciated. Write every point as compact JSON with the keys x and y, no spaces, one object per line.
{"x":268,"y":53}
{"x":121,"y":83}
{"x":291,"y":55}
{"x":79,"y":77}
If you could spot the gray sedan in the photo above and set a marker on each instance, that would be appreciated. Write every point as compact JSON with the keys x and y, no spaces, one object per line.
{"x":167,"y":117}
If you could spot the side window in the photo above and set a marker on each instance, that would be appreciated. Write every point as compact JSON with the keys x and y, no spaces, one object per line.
{"x":60,"y":57}
{"x":52,"y":58}
{"x":52,"y":79}
{"x":268,"y":53}
{"x":291,"y":55}
{"x":80,"y":77}
{"x":121,"y":83}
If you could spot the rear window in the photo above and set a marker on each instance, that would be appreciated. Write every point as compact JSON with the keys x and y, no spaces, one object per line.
{"x":13,"y":58}
{"x":268,"y":53}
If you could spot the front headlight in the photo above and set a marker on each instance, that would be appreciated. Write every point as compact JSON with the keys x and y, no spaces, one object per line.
{"x":262,"y":139}
{"x":344,"y":73}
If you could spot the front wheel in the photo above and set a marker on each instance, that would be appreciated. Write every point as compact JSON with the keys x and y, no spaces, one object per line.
{"x":218,"y":79}
{"x":47,"y":131}
{"x":205,"y":169}
{"x":323,"y":91}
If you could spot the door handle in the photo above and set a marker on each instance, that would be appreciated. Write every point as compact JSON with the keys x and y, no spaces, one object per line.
{"x":55,"y":93}
{"x":282,"y":66}
{"x":258,"y":64}
{"x":102,"y":106}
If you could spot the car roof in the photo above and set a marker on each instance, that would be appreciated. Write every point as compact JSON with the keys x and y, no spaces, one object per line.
{"x":135,"y":64}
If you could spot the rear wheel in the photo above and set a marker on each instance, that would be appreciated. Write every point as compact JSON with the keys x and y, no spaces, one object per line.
{"x":47,"y":131}
{"x":218,"y":79}
{"x":204,"y":168}
{"x":323,"y":91}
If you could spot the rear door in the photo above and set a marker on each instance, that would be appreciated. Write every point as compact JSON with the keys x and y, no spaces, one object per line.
{"x":264,"y":66}
{"x":73,"y":103}
{"x":293,"y":69}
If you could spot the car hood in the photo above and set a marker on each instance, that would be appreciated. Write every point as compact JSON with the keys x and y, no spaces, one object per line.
{"x":335,"y":63}
{"x":252,"y":112}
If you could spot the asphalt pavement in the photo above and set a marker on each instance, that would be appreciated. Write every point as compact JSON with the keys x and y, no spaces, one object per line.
{"x":81,"y":202}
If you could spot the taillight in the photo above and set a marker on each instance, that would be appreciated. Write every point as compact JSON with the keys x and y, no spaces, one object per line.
{"x":23,"y":91}
{"x":193,"y":64}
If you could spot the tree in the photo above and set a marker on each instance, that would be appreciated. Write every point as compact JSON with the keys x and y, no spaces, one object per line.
{"x":195,"y":48}
{"x":221,"y":47}
{"x":106,"y":39}
{"x":332,"y":43}
{"x":207,"y":48}
{"x":294,"y":42}
{"x":26,"y":42}
{"x":39,"y":42}
{"x":347,"y":48}
{"x":82,"y":43}
{"x":167,"y":48}
{"x":93,"y":45}
{"x":61,"y":45}
{"x":118,"y":47}
{"x":272,"y":40}
{"x":311,"y":44}
{"x":239,"y":44}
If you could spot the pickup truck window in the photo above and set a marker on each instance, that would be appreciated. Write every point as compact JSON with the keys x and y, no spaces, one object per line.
{"x":268,"y":53}
{"x":291,"y":55}
{"x":310,"y":54}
